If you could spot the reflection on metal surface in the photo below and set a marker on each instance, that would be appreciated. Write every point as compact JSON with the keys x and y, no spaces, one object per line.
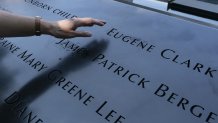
{"x":164,"y":10}
{"x":198,"y":8}
{"x":143,"y":66}
{"x":210,"y":1}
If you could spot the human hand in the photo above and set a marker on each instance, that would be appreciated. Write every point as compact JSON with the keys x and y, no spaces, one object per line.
{"x":67,"y":28}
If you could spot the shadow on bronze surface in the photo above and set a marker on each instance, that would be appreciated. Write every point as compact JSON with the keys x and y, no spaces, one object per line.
{"x":40,"y":84}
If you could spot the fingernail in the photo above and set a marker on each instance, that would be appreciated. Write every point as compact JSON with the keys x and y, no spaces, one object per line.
{"x":104,"y":22}
{"x":89,"y":34}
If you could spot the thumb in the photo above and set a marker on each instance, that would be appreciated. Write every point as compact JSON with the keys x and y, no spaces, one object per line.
{"x":81,"y":34}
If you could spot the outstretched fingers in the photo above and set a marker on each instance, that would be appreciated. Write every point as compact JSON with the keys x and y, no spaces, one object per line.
{"x":88,"y":22}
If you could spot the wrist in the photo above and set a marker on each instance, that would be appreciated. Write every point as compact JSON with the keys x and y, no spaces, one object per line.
{"x":46,"y":27}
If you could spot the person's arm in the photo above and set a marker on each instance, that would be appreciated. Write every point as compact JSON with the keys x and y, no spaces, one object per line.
{"x":12,"y":25}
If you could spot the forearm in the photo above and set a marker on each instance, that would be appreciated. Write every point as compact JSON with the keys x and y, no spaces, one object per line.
{"x":18,"y":26}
